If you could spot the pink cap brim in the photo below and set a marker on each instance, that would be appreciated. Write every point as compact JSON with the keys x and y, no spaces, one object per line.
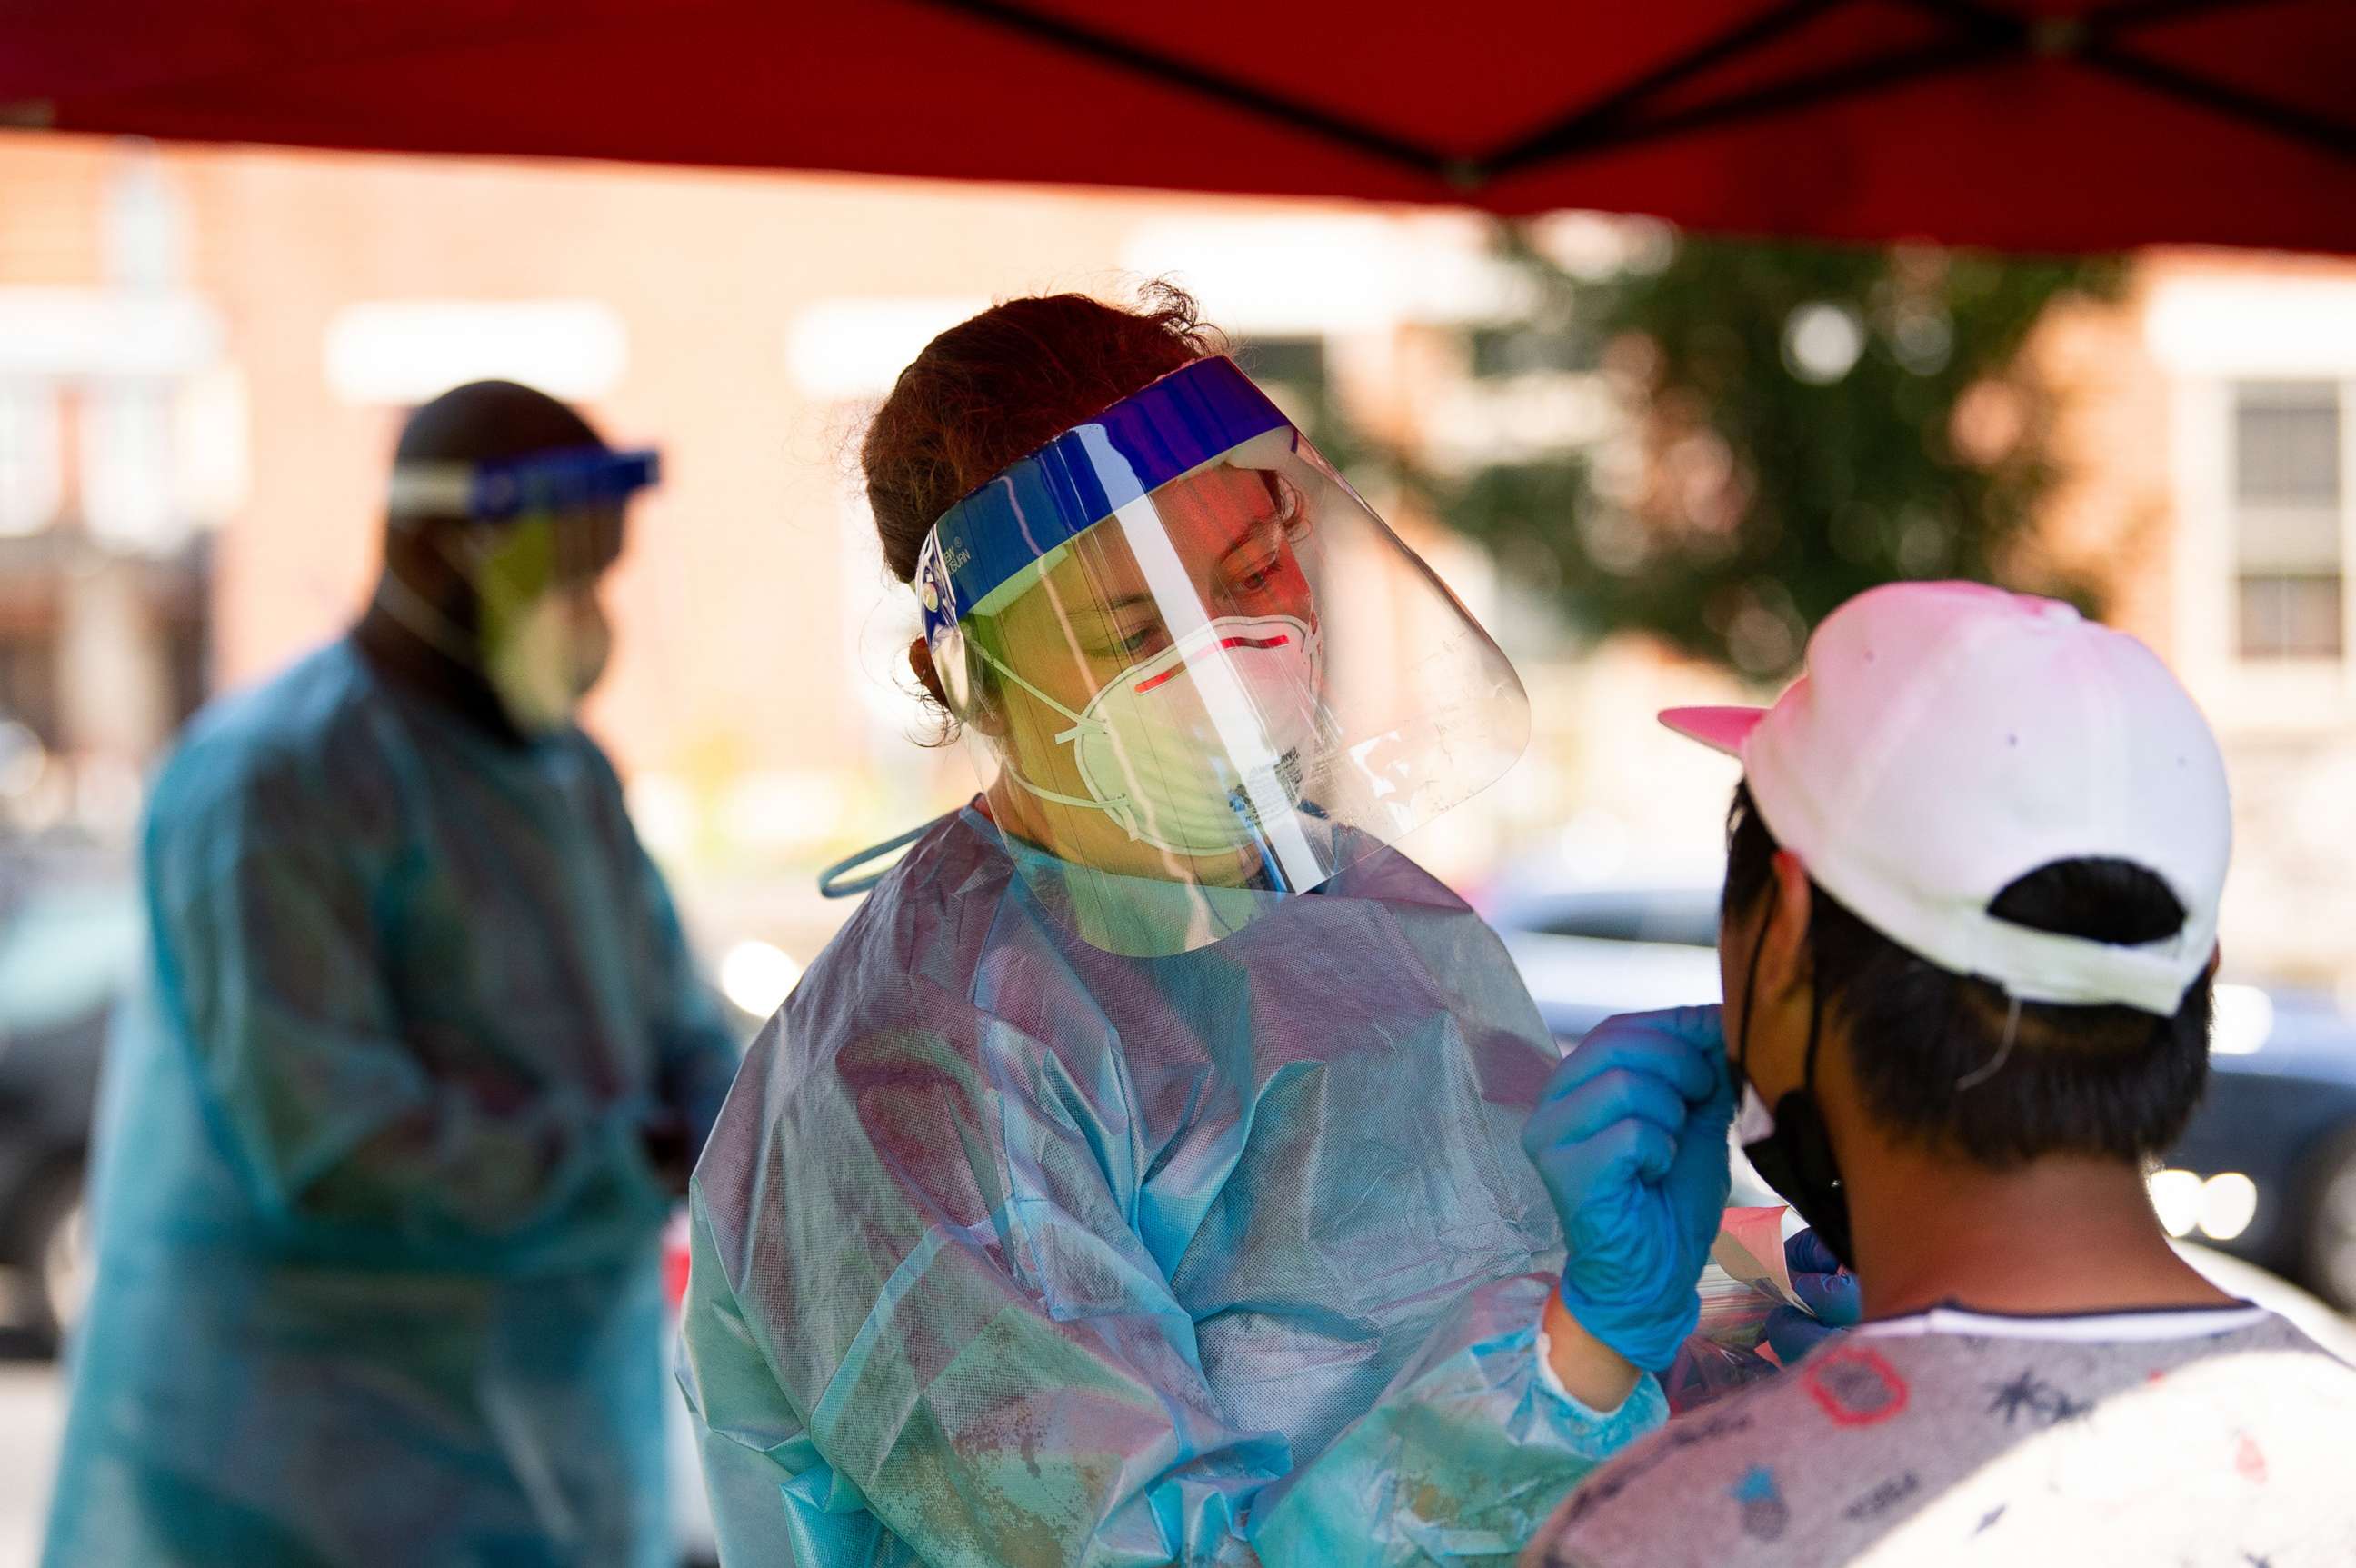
{"x":1721,"y":729}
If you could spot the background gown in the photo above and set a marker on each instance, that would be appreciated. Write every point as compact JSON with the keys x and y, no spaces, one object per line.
{"x":1008,"y":1251}
{"x":377,"y":1232}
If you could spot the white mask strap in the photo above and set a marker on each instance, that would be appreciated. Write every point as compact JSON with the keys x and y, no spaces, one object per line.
{"x":1080,"y":721}
{"x":1117,"y":810}
{"x":1061,"y":799}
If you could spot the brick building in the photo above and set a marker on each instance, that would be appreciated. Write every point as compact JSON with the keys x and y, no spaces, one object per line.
{"x":204,"y":355}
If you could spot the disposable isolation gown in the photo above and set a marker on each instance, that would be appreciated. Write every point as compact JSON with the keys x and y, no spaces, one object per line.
{"x":1011,"y":1252}
{"x":379,"y":1236}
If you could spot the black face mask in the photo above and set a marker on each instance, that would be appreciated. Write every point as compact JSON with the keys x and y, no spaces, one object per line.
{"x":1795,"y":1157}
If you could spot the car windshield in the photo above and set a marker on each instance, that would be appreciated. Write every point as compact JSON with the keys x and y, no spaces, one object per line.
{"x":1679,"y":917}
{"x":64,"y":953}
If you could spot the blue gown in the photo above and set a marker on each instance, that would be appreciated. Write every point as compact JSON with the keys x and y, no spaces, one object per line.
{"x":378,"y":1230}
{"x":1011,"y":1251}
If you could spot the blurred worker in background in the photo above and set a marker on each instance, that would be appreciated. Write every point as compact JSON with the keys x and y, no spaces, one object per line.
{"x":386,"y":1149}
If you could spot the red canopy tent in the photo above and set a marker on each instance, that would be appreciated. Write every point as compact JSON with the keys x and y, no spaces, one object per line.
{"x":2025,"y":123}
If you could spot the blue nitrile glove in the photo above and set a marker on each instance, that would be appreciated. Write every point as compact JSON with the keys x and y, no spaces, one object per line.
{"x":1629,"y":1136}
{"x":1823,"y":1287}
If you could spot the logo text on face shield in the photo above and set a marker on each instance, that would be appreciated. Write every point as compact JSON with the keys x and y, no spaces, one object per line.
{"x":1289,"y":775}
{"x":1262,"y":644}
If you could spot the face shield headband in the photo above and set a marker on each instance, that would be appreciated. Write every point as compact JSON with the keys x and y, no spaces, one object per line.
{"x":577,"y":479}
{"x":1083,"y":477}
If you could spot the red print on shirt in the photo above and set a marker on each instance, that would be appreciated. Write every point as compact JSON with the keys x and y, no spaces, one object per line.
{"x":1856,"y":1386}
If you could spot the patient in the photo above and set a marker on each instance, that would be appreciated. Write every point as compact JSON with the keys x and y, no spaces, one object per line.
{"x":1968,"y":940}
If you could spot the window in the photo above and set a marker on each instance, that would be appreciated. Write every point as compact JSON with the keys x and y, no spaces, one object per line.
{"x":854,"y":348}
{"x":1524,"y":350}
{"x":405,"y":352}
{"x":127,"y":466}
{"x":1295,"y":364}
{"x":32,"y":481}
{"x":28,"y":682}
{"x":1292,"y":371}
{"x":2289,"y":564}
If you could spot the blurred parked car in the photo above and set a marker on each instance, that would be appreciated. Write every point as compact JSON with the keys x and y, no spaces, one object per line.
{"x":690,"y":1510}
{"x":2266,"y":1172}
{"x":68,"y":943}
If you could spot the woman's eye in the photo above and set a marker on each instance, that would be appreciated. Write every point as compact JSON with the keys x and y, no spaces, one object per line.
{"x":1257,"y":575}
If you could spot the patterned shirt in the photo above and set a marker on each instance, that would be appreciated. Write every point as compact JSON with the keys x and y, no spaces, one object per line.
{"x":2218,"y":1436}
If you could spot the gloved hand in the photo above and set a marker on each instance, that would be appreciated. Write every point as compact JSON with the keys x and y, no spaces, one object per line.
{"x":1629,"y":1136}
{"x":1823,"y":1287}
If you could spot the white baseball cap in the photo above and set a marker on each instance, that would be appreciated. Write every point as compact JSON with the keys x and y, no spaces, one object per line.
{"x":1947,"y":739}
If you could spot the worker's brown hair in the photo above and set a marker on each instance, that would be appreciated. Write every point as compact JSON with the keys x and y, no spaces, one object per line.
{"x":1002,"y":385}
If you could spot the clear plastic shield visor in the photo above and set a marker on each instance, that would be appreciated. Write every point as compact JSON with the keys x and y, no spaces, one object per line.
{"x":1197,"y":673}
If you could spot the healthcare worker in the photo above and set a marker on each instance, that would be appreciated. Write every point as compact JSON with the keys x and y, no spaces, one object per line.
{"x":1137,"y":1178}
{"x":386,"y":1150}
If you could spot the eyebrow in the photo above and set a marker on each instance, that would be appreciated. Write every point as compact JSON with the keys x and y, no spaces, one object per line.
{"x":1104,"y":620}
{"x":1100,"y":619}
{"x":1250,"y":537}
{"x":1251,"y":533}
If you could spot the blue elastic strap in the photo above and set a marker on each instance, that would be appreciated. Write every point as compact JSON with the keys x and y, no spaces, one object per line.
{"x":1081,"y":478}
{"x":836,"y":881}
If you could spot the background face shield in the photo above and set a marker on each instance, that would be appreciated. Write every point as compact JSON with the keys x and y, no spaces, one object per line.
{"x":1196,"y":672}
{"x":531,"y":536}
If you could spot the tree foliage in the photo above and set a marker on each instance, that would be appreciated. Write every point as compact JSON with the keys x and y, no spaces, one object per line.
{"x":1794,"y":425}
